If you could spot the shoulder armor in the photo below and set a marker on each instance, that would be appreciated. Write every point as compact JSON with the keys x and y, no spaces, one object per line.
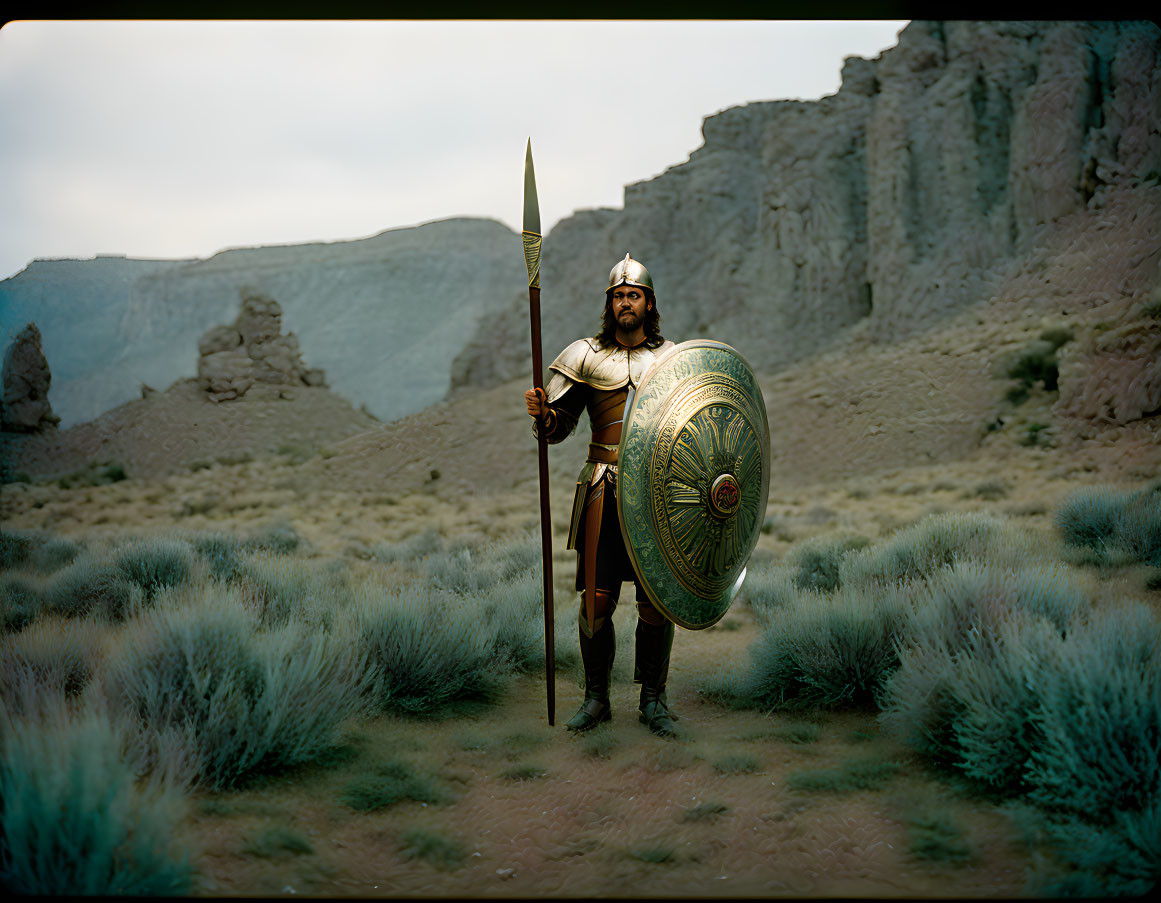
{"x":585,"y":361}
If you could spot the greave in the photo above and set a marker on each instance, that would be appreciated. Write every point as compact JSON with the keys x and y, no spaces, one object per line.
{"x":654,"y":644}
{"x":597,"y":654}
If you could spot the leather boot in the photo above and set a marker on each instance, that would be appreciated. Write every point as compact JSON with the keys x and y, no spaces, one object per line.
{"x":597,"y":654}
{"x":651,"y":670}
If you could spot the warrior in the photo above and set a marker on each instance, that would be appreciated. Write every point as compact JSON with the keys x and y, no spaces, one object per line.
{"x":596,"y":374}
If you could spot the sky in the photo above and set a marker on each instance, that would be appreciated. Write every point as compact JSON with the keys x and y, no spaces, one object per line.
{"x":180,"y":139}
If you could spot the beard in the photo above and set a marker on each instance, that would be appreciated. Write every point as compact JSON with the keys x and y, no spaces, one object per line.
{"x":629,"y":321}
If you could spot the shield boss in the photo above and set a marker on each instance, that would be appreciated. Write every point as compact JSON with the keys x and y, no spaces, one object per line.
{"x":693,"y":478}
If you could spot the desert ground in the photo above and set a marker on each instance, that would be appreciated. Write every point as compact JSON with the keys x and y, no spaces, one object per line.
{"x":867,"y":441}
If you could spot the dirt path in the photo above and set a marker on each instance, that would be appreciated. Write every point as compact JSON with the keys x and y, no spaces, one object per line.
{"x":534,"y":811}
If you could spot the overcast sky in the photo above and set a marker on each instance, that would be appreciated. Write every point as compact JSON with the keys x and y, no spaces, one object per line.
{"x":179,"y":139}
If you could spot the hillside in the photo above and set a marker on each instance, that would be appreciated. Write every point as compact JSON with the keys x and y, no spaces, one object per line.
{"x":384,"y":316}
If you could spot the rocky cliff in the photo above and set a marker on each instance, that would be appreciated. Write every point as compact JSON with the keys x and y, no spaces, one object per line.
{"x":932,"y":178}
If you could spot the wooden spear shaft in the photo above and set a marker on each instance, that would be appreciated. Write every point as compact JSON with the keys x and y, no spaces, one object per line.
{"x":532,"y":237}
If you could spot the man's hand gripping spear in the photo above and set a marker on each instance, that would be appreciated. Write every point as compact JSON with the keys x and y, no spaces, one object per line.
{"x":538,"y":406}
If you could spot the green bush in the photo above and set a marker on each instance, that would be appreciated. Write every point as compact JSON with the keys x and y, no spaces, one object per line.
{"x":244,"y":703}
{"x":93,"y":475}
{"x":21,"y":600}
{"x":155,"y":564}
{"x":826,"y":651}
{"x":514,"y":615}
{"x":434,"y":848}
{"x":391,"y":783}
{"x":95,"y":585}
{"x":1106,"y":520}
{"x":41,"y":551}
{"x":1037,"y":363}
{"x":46,"y":662}
{"x":933,"y":837}
{"x":414,"y":548}
{"x":466,"y":570}
{"x":17,"y":545}
{"x":280,"y":537}
{"x":221,"y":551}
{"x":286,"y":589}
{"x":736,"y":764}
{"x":868,"y":773}
{"x":278,"y":841}
{"x":1121,"y":859}
{"x":963,"y":694}
{"x":1099,"y":717}
{"x":427,"y":648}
{"x":76,"y":821}
{"x":816,"y":562}
{"x":768,"y":590}
{"x":935,"y":542}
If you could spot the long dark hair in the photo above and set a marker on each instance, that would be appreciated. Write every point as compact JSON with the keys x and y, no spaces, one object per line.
{"x":607,"y":337}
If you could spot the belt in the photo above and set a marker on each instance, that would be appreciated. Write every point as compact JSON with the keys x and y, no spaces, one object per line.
{"x":602,"y":454}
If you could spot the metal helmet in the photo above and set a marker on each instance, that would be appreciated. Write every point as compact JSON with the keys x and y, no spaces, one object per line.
{"x":629,"y":272}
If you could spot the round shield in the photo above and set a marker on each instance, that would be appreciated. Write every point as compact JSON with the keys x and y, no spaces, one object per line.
{"x":693,"y":476}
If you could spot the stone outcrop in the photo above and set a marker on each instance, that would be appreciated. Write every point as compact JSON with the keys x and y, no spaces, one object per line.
{"x":384,"y":315}
{"x":26,"y":383}
{"x":253,"y":350}
{"x":935,"y":174}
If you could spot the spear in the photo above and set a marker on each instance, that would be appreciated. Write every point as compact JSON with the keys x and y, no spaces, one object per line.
{"x":531,"y":234}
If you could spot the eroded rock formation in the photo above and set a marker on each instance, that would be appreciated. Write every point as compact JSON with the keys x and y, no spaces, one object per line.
{"x":923,"y":186}
{"x":26,"y":383}
{"x":253,"y":350}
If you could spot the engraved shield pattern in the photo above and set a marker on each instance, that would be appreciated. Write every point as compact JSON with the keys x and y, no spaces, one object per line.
{"x":694,"y":470}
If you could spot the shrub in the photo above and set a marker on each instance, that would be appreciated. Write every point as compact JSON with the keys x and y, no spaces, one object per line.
{"x":1037,"y":363}
{"x":54,"y":554}
{"x":816,"y":562}
{"x":42,"y":551}
{"x":1104,"y":520}
{"x":464,"y":570}
{"x":434,"y":848}
{"x":278,"y":841}
{"x":935,"y":542}
{"x":411,"y":549}
{"x":21,"y":600}
{"x":389,"y":784}
{"x":933,"y":837}
{"x":1101,"y":861}
{"x":243,"y":703}
{"x":278,"y":537}
{"x":826,"y":651}
{"x":16,"y":545}
{"x":93,"y":475}
{"x":154,"y":564}
{"x":514,"y":611}
{"x":76,"y":821}
{"x":736,"y":764}
{"x":853,"y":774}
{"x":600,"y":743}
{"x":1099,"y":717}
{"x":94,"y":584}
{"x":428,"y":650}
{"x":221,"y":551}
{"x":48,"y":661}
{"x":964,"y":693}
{"x":285,"y":590}
{"x":768,"y":590}
{"x":799,"y":732}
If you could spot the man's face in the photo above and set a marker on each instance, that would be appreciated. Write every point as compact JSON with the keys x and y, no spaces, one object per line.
{"x":629,"y":307}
